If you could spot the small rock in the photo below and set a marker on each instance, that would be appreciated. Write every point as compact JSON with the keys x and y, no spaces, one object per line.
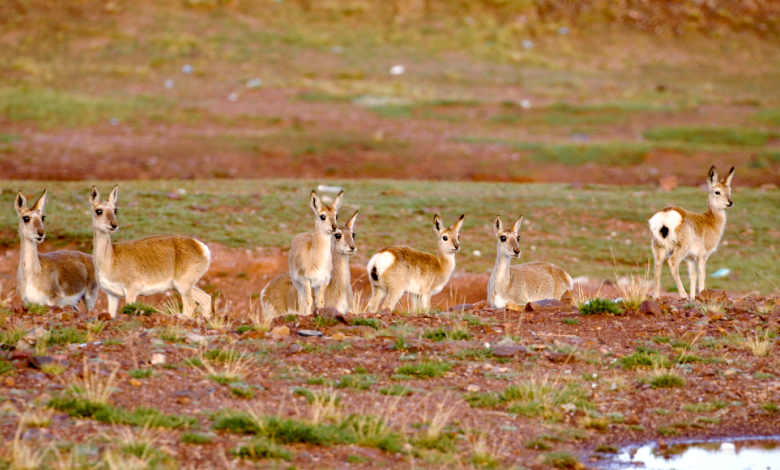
{"x":135,"y":382}
{"x":39,"y":361}
{"x":253,"y":334}
{"x":729,"y":373}
{"x":568,"y":298}
{"x":281,"y":331}
{"x":184,"y":400}
{"x":712,"y":295}
{"x":158,"y":358}
{"x":557,"y":357}
{"x":104,"y":316}
{"x":631,"y":419}
{"x":309,"y":333}
{"x":514,"y":307}
{"x":460,"y":308}
{"x":650,"y":307}
{"x":9,"y":382}
{"x":473,"y":388}
{"x":195,"y":338}
{"x":339,"y":336}
{"x":662,"y":445}
{"x":295,"y":348}
{"x":17,"y":355}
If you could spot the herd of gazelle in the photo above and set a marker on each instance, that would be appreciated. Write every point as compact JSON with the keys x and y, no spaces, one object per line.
{"x":319,"y":262}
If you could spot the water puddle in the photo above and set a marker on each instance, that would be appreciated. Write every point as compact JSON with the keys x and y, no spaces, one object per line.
{"x":739,"y":454}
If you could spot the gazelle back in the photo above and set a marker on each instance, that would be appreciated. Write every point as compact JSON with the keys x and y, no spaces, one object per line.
{"x":279,"y":297}
{"x":146,"y":266}
{"x":60,"y":278}
{"x":310,"y":258}
{"x":679,"y":234}
{"x":525,"y":282}
{"x":398,"y":269}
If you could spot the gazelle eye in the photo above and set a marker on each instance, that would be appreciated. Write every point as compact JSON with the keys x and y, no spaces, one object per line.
{"x":518,"y":238}
{"x":338,"y":236}
{"x":354,"y":235}
{"x":99,"y":211}
{"x":26,"y":219}
{"x":444,"y":238}
{"x":717,"y":193}
{"x":43,"y":218}
{"x":116,"y":211}
{"x":503,"y":238}
{"x":322,"y":217}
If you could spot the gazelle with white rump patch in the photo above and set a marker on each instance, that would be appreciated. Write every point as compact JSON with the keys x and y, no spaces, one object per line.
{"x":280,"y":297}
{"x":679,"y":234}
{"x":527,"y":282}
{"x":395,"y":270}
{"x":60,"y":278}
{"x":147,"y":266}
{"x":310,"y":258}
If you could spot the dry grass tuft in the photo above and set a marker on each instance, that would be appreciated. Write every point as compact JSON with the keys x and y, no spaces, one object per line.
{"x":324,"y":406}
{"x":92,"y":386}
{"x":260,"y":320}
{"x":757,"y":343}
{"x":221,"y":318}
{"x":232,"y":366}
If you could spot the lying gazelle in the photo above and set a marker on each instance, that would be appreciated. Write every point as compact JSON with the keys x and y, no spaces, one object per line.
{"x":147,"y":266}
{"x":395,"y":270}
{"x":279,"y":297}
{"x":310,"y":258}
{"x":59,"y":278}
{"x":525,"y":282}
{"x":679,"y":234}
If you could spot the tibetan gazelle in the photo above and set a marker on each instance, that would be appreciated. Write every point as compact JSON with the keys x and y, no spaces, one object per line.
{"x":59,"y":278}
{"x":525,"y":282}
{"x":147,"y":266}
{"x":279,"y":297}
{"x":679,"y":234}
{"x":310,"y":257}
{"x":395,"y":270}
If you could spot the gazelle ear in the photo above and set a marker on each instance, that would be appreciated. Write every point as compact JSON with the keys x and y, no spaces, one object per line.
{"x":314,"y":203}
{"x":712,"y":177}
{"x":459,"y":223}
{"x":516,"y":226}
{"x":351,"y":222}
{"x":437,"y":225}
{"x":498,"y":227}
{"x":727,"y":179}
{"x":114,"y":195}
{"x":20,"y":203}
{"x":40,"y":202}
{"x":94,"y":196}
{"x":339,"y":199}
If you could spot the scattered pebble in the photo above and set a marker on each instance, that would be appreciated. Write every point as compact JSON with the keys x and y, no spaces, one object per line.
{"x":187,"y":69}
{"x":169,"y":83}
{"x":158,"y":359}
{"x":397,"y":70}
{"x":254,"y":83}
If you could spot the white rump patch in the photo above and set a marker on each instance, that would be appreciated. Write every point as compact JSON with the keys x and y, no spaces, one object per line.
{"x":381,"y":261}
{"x":205,"y":249}
{"x":669,"y":219}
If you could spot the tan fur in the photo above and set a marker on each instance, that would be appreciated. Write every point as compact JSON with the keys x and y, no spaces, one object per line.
{"x":147,"y":266}
{"x":526,"y":282}
{"x":60,"y":278}
{"x":310,"y":258}
{"x":695,"y":236}
{"x":280,"y":297}
{"x":395,"y":270}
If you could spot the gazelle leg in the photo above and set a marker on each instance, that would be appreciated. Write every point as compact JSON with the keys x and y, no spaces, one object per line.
{"x":377,"y":294}
{"x":702,"y":272}
{"x":393,"y":296}
{"x":113,"y":303}
{"x":674,"y":264}
{"x":203,"y":299}
{"x":659,"y":256}
{"x":691,"y":274}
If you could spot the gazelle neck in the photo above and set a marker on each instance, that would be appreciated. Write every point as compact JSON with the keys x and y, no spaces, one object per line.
{"x":501,"y":271}
{"x":340,"y":274}
{"x":447,"y":262}
{"x":102,"y":249}
{"x":29,"y":264}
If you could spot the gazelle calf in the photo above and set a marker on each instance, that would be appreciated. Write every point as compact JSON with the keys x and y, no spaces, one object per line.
{"x":60,"y":278}
{"x":280,"y":297}
{"x":525,"y":282}
{"x":310,"y":258}
{"x":147,"y":266}
{"x":398,"y":269}
{"x":679,"y":234}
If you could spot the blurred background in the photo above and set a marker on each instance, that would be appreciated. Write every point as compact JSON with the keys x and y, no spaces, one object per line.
{"x":617,"y":102}
{"x":593,"y":91}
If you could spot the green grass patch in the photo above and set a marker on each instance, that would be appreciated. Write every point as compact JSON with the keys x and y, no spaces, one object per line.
{"x":11,"y":336}
{"x":67,"y":335}
{"x":372,"y":322}
{"x":533,"y":399}
{"x":243,"y":391}
{"x":667,"y":380}
{"x":600,"y":306}
{"x":37,"y":309}
{"x":562,"y":459}
{"x":196,"y":438}
{"x":570,"y":321}
{"x":141,"y":373}
{"x":6,"y":367}
{"x":425,"y":369}
{"x":705,"y":407}
{"x":357,"y":381}
{"x":772,"y":408}
{"x":262,"y":448}
{"x":537,"y":444}
{"x":447,"y":333}
{"x":643,"y":357}
{"x":105,"y":413}
{"x":137,"y":308}
{"x":736,"y":136}
{"x":397,"y":390}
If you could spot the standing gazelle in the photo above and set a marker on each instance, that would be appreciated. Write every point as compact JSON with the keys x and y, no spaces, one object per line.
{"x":398,"y":269}
{"x":310,"y":258}
{"x":680,"y":234}
{"x":147,"y":266}
{"x":279,"y":297}
{"x":526,"y":282}
{"x":60,"y":278}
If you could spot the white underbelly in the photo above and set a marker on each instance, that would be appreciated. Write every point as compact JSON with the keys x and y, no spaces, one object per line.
{"x":110,"y":287}
{"x":150,"y":289}
{"x":498,"y":301}
{"x":34,"y":296}
{"x":414,"y":287}
{"x":70,"y":300}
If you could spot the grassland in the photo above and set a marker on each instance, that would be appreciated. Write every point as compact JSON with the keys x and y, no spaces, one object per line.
{"x":578,"y":229}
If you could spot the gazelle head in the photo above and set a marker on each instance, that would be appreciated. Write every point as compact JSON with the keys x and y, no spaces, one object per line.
{"x":720,"y":190}
{"x":104,"y":213}
{"x":449,"y":240}
{"x":344,"y":238}
{"x":326,"y":215}
{"x":31,"y":220}
{"x":508,"y":240}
